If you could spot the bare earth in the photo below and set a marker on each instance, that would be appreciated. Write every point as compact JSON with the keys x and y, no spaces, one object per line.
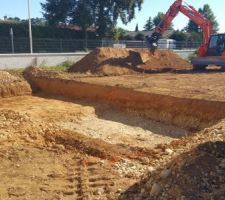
{"x":57,"y":148}
{"x":95,"y":120}
{"x":210,"y":86}
{"x":36,"y":167}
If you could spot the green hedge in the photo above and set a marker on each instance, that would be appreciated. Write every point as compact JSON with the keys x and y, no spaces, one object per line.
{"x":21,"y":31}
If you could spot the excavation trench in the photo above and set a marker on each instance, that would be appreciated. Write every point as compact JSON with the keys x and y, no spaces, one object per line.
{"x":78,"y":138}
{"x":191,"y":114}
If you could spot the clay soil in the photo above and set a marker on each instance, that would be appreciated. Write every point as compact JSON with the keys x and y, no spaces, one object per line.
{"x":112,"y":61}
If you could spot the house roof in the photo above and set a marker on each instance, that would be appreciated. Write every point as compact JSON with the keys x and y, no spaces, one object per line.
{"x":8,"y":21}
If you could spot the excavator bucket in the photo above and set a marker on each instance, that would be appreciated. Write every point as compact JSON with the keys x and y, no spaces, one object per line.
{"x":144,"y":57}
{"x":139,"y":57}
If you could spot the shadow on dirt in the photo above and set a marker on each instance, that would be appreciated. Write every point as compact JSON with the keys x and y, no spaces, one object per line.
{"x":120,"y":115}
{"x":207,"y":71}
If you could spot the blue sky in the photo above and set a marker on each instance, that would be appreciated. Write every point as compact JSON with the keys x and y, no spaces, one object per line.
{"x":18,"y":8}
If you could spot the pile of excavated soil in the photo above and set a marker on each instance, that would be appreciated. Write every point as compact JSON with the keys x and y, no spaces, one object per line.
{"x":13,"y":86}
{"x":197,"y":169}
{"x":116,"y":61}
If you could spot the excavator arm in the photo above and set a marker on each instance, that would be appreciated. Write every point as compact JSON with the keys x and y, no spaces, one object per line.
{"x":192,"y":14}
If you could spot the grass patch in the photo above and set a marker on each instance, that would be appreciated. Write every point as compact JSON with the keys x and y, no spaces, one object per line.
{"x":62,"y":67}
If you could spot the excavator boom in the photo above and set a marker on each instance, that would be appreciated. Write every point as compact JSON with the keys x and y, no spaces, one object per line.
{"x":192,"y":14}
{"x":212,"y":50}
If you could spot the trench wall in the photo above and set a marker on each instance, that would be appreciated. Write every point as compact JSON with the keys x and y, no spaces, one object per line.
{"x":191,"y":114}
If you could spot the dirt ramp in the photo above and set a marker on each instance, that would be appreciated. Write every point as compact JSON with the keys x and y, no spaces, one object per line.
{"x":13,"y":86}
{"x":117,"y":61}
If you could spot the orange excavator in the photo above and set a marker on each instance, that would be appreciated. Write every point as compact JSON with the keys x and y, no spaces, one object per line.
{"x":211,"y":52}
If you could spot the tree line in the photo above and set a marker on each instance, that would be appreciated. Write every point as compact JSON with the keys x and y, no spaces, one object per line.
{"x":103,"y":16}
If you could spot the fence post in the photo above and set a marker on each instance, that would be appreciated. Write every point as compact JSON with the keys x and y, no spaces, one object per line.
{"x":85,"y":44}
{"x":61,"y":48}
{"x":12,"y":39}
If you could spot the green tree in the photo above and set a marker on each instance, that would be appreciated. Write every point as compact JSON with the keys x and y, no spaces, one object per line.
{"x":127,"y":37}
{"x":103,"y":14}
{"x":117,"y":33}
{"x":149,"y":24}
{"x":195,"y":37}
{"x":179,"y":36}
{"x":136,"y":28}
{"x":82,"y":16}
{"x":38,"y":21}
{"x":57,"y":11}
{"x":192,"y":27}
{"x":158,"y":18}
{"x":139,"y":36}
{"x":208,"y":13}
{"x":16,"y":19}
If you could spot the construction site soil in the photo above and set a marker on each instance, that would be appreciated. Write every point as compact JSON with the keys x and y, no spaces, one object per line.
{"x":83,"y":137}
{"x":189,"y":113}
{"x":117,"y":61}
{"x":12,"y":85}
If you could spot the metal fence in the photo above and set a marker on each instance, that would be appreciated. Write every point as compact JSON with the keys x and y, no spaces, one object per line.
{"x":21,"y":45}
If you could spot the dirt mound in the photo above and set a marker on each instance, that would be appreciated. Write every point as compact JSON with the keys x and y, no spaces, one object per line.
{"x":12,"y":86}
{"x":196,"y":172}
{"x":115,"y":61}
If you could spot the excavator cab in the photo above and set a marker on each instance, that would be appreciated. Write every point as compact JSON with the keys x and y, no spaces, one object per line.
{"x":216,"y":45}
{"x":215,"y":53}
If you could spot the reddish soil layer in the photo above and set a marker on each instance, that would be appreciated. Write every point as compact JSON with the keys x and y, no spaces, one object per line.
{"x":115,"y":61}
{"x":183,"y":112}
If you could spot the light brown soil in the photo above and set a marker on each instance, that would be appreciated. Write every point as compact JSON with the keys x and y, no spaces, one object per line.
{"x":53,"y":147}
{"x":198,"y":173}
{"x":42,"y":157}
{"x":63,"y":157}
{"x":193,"y":114}
{"x":208,"y":85}
{"x":12,"y":85}
{"x":113,"y":61}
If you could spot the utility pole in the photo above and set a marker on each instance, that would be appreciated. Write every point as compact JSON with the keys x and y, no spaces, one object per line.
{"x":30,"y":29}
